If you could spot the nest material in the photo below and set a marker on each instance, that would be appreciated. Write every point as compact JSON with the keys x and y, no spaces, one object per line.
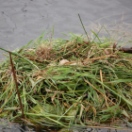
{"x":72,"y":83}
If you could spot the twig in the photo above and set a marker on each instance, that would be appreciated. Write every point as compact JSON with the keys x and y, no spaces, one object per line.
{"x":126,"y":50}
{"x":15,"y":80}
{"x":16,"y":54}
{"x":123,"y":49}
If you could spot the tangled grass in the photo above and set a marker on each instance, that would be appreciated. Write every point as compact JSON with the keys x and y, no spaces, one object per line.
{"x":64,"y":83}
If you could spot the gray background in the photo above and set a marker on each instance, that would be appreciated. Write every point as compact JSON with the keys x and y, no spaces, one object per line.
{"x":24,"y":20}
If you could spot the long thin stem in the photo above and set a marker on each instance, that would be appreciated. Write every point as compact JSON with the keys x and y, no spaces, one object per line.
{"x":83,"y":27}
{"x":16,"y":54}
{"x":15,"y":80}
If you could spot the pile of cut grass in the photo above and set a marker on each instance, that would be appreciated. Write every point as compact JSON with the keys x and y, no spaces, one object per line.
{"x":64,"y":83}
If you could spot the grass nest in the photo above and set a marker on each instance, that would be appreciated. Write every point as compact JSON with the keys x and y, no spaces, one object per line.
{"x":64,"y":83}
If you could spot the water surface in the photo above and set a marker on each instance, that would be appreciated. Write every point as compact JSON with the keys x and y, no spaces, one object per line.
{"x":24,"y":20}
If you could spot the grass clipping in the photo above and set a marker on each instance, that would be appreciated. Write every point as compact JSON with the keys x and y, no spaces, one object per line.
{"x":68,"y":83}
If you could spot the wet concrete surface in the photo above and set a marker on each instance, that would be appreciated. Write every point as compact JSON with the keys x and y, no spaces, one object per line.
{"x":6,"y":126}
{"x":24,"y":20}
